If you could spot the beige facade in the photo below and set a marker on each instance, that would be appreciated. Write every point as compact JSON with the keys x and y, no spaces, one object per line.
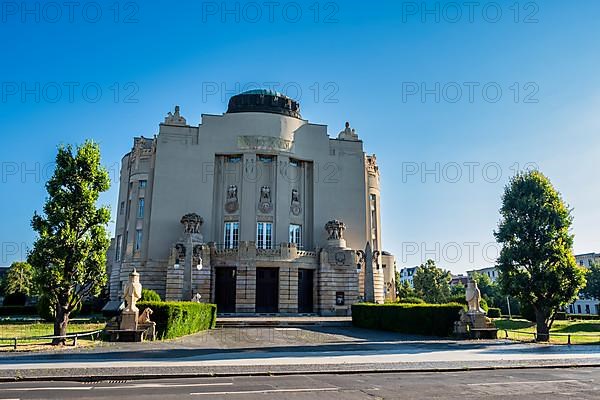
{"x":257,"y":186}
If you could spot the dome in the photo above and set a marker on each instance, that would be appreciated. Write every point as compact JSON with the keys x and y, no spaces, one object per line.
{"x":264,"y":100}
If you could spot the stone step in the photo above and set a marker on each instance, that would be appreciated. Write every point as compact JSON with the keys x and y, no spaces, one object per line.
{"x":257,"y":322}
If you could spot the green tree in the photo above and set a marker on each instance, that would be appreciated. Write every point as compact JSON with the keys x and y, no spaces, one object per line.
{"x":458,"y":290}
{"x":536,"y":262}
{"x":19,"y":279}
{"x":404,"y":290}
{"x":592,"y":288}
{"x":69,"y":255}
{"x":431,"y":283}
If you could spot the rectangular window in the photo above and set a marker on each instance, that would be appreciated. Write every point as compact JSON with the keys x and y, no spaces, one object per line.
{"x":141,"y":207}
{"x":143,"y":184}
{"x":264,"y":235}
{"x":296,"y":235}
{"x":122,"y":208}
{"x":373,"y":207}
{"x":231,"y":236}
{"x":138,"y":239}
{"x":118,"y":248}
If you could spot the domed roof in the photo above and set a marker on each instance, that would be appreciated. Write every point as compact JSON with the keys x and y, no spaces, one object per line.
{"x":264,"y":100}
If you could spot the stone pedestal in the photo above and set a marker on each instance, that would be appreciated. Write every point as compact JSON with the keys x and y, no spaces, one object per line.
{"x":129,"y":320}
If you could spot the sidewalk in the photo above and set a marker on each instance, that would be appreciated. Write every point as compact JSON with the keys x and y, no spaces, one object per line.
{"x":261,"y":351}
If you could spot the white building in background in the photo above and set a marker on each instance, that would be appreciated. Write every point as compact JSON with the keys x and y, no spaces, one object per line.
{"x":407,"y":274}
{"x":583,"y":305}
{"x":492,"y":272}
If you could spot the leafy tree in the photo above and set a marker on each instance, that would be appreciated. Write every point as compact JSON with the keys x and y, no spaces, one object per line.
{"x":431,"y":283}
{"x":536,"y":262}
{"x":458,"y":290}
{"x":592,"y":288}
{"x":19,"y":279}
{"x":69,"y":255}
{"x":404,"y":290}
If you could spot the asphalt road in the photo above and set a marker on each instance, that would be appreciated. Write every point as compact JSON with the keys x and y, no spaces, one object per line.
{"x":577,"y":383}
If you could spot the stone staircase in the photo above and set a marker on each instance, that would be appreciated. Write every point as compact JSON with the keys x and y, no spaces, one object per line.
{"x":259,"y":321}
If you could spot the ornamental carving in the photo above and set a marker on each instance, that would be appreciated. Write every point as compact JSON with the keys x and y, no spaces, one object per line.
{"x":264,"y":143}
{"x":264,"y":205}
{"x":191,"y":223}
{"x":335,"y":229}
{"x":232,"y":204}
{"x":175,"y":118}
{"x":371,"y":164}
{"x":295,"y":206}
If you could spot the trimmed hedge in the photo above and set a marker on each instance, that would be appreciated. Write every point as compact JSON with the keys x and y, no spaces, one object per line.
{"x":179,"y":318}
{"x":419,"y":319}
{"x":411,"y":300}
{"x":9,"y":311}
{"x":494,"y":313}
{"x":584,"y":317}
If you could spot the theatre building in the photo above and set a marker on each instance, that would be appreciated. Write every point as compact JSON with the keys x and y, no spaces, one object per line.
{"x":256,"y":210}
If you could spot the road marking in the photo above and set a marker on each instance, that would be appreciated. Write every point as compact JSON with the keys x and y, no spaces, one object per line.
{"x":268,"y":391}
{"x":133,"y":386}
{"x":522,"y":383}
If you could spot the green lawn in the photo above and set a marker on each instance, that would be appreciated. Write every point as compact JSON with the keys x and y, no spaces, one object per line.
{"x":582,"y":332}
{"x":14,"y":329}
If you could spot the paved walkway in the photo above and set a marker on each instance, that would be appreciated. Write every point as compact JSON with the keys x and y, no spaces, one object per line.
{"x":290,"y":350}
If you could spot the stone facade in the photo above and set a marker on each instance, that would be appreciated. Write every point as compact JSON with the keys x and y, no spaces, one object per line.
{"x":256,"y":210}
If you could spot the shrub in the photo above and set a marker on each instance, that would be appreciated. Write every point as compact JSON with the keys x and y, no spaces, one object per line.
{"x":584,"y":317}
{"x":421,"y":319}
{"x":150,"y":295}
{"x":180,"y":318}
{"x":560,"y":316}
{"x":9,"y":311}
{"x":494,"y":313}
{"x":411,"y":300}
{"x":15,"y":299}
{"x":463,"y":300}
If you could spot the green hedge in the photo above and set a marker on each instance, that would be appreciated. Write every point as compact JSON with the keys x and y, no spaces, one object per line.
{"x":9,"y":311}
{"x":420,"y":319}
{"x":180,"y":318}
{"x":494,"y":313}
{"x":584,"y":317}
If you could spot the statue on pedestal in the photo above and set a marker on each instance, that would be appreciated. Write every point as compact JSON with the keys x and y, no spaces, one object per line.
{"x":132,"y":293}
{"x":473,"y":295}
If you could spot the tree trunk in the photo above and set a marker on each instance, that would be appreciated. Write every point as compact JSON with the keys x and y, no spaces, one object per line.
{"x":60,"y":325}
{"x":542,"y":328}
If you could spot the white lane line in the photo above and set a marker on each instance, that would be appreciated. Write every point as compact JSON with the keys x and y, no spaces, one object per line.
{"x":523,"y":383}
{"x":267,"y":391}
{"x":133,"y":386}
{"x":163,"y":385}
{"x":36,"y":389}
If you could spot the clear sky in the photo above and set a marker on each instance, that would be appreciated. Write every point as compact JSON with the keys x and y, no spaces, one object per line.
{"x":452,"y":97}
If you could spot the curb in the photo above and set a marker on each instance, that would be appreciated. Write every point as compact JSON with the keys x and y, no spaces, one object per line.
{"x":214,"y":374}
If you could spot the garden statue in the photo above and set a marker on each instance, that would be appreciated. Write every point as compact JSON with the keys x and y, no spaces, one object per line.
{"x":473,"y":298}
{"x":132,"y":293}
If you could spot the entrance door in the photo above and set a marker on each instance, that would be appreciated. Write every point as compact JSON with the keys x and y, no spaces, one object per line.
{"x":267,"y":290}
{"x":305,"y":290}
{"x":225,"y":289}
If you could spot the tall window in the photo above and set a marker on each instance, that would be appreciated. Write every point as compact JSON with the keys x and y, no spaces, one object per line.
{"x":143,"y":184}
{"x":373,"y":206}
{"x":138,"y":239}
{"x":296,"y":234}
{"x":122,"y":208}
{"x":264,"y":235}
{"x":141,"y":207}
{"x":232,"y":234}
{"x":118,"y":248}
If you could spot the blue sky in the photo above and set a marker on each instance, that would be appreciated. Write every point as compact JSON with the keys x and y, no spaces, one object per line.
{"x":420,"y":82}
